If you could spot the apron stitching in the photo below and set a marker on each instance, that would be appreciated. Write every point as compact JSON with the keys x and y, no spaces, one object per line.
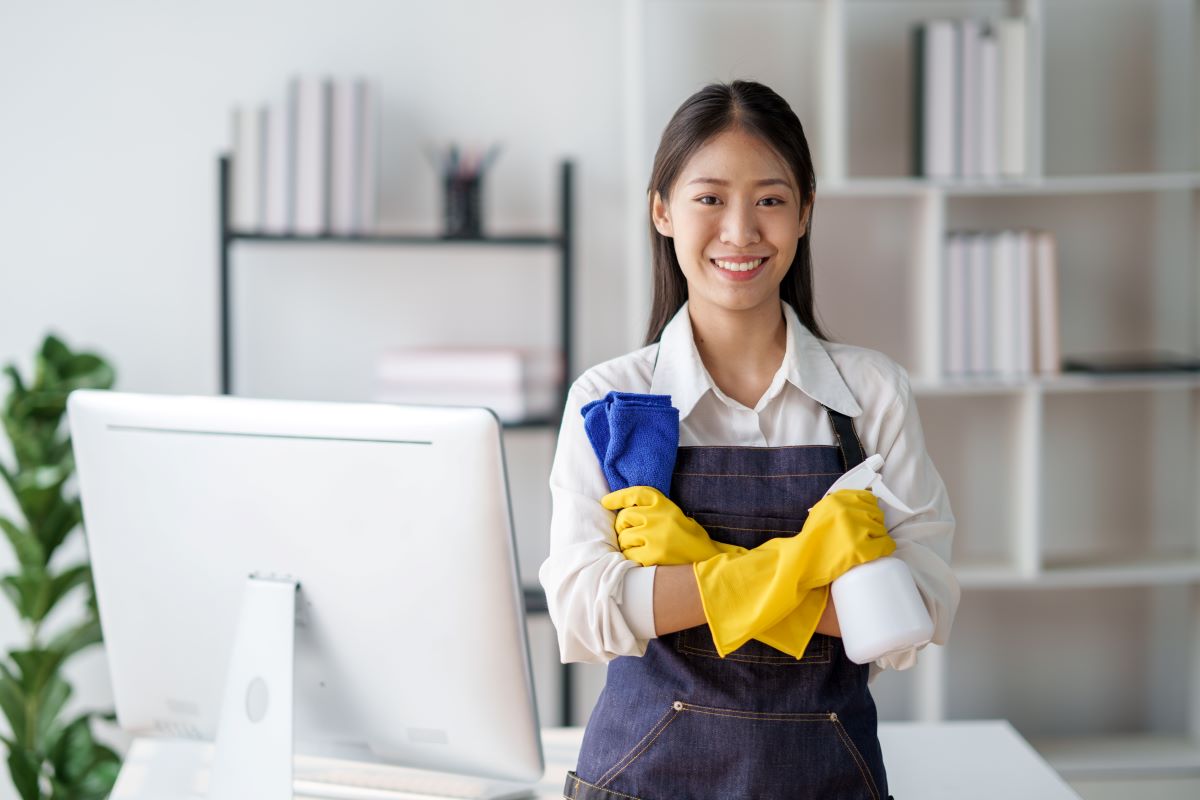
{"x":858,"y":759}
{"x":763,"y":716}
{"x":605,"y":778}
{"x":789,"y":531}
{"x":642,"y":751}
{"x":742,"y":447}
{"x":784,"y":660}
{"x":746,"y":475}
{"x":579,"y":780}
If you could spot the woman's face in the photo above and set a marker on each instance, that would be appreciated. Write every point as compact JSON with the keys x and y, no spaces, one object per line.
{"x":734,"y":214}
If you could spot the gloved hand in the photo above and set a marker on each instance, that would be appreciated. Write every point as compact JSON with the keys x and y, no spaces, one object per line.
{"x":652,"y":530}
{"x":747,"y":593}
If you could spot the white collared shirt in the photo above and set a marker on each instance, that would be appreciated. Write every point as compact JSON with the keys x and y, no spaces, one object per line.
{"x":602,"y":604}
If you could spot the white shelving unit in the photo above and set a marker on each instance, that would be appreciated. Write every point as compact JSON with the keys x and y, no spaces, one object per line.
{"x":1078,"y":498}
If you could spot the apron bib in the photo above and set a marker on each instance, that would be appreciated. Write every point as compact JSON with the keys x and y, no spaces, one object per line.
{"x":680,"y":722}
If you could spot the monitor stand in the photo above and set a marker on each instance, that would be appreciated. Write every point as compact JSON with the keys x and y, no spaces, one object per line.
{"x":253,"y":755}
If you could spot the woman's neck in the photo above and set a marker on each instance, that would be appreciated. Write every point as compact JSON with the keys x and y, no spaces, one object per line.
{"x":741,"y":348}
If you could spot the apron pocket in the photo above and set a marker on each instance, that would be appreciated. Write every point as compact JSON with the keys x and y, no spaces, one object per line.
{"x":696,"y":751}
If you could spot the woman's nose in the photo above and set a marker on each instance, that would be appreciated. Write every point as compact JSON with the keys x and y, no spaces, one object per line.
{"x":739,"y":227}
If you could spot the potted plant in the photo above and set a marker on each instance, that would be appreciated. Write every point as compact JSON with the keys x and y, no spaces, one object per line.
{"x":49,"y":755}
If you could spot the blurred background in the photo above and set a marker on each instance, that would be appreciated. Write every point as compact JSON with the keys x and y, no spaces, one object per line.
{"x":1076,"y":490}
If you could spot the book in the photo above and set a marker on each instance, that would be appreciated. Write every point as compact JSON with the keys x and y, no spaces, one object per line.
{"x":1046,"y":310}
{"x":472,"y":367}
{"x":989,"y":103}
{"x":510,"y":405}
{"x":367,"y":153}
{"x":1013,"y":36}
{"x":1023,"y":251}
{"x":309,"y":111}
{"x":980,"y":282}
{"x":937,"y":51}
{"x":1134,"y":361}
{"x":956,"y":328}
{"x":344,"y":143}
{"x":972,"y":91}
{"x":277,"y":171}
{"x":1003,"y":305}
{"x":246,"y":197}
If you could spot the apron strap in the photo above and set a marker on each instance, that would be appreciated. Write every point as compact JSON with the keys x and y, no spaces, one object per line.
{"x":847,"y":439}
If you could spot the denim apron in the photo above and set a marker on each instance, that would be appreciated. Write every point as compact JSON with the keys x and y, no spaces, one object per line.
{"x":681,"y":722}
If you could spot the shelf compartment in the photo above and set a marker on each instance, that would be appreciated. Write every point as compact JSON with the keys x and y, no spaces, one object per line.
{"x":1088,"y":677}
{"x":976,"y":448}
{"x":1118,"y":86}
{"x":1126,"y":273}
{"x":1119,"y":483}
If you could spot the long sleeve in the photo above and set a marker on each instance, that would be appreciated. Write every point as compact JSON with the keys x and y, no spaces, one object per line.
{"x":601,"y":603}
{"x":923,"y":539}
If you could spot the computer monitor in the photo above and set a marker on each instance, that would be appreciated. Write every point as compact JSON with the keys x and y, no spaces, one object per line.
{"x":394,"y":523}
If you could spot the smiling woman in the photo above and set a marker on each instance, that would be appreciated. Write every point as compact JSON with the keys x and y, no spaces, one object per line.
{"x":727,"y":673}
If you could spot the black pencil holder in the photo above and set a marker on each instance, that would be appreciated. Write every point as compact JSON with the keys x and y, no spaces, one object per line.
{"x":463,"y":208}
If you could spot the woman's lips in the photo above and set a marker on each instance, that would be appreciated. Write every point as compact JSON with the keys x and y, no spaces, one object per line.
{"x":739,"y":275}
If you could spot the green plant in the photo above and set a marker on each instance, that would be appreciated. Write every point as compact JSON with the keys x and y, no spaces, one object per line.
{"x":48,"y":756}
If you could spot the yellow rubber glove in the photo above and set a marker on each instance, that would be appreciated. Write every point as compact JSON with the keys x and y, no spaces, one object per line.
{"x":747,"y":593}
{"x":652,"y":530}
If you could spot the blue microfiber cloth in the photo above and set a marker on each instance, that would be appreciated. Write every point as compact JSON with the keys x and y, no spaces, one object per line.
{"x":635,"y":437}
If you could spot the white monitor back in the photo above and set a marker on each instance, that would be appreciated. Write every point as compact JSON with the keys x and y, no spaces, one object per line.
{"x":410,"y":641}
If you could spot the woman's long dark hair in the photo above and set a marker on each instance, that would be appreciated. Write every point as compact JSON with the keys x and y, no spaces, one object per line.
{"x":760,"y":112}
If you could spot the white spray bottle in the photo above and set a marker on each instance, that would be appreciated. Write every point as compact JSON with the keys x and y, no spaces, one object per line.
{"x":878,"y":606}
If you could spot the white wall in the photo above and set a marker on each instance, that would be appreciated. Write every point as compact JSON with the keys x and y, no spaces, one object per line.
{"x":111,"y":118}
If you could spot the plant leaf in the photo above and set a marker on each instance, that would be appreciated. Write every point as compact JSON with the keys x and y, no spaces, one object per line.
{"x":23,"y":590}
{"x":24,"y":766}
{"x":25,"y":545}
{"x":60,"y":585}
{"x":13,"y":703}
{"x":49,"y":705}
{"x":76,"y":638}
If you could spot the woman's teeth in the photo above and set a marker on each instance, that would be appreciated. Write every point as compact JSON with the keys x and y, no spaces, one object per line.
{"x":739,"y":266}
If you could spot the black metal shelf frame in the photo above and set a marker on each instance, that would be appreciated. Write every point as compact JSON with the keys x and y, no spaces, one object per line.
{"x":533,"y":596}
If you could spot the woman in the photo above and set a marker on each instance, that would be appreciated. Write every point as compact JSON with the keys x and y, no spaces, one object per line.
{"x":697,"y":704}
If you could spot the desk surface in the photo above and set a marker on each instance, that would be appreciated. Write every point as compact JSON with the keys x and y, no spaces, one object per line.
{"x":983,"y":760}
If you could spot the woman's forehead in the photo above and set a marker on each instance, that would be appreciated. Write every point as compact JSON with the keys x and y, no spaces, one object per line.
{"x":735,"y":157}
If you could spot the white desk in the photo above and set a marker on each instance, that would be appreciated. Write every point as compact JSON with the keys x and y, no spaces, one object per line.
{"x":983,"y":760}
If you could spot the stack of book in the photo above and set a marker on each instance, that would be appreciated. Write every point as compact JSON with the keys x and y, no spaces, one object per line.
{"x":1001,"y":305}
{"x":970,"y":83}
{"x":516,"y":383}
{"x":309,"y":165}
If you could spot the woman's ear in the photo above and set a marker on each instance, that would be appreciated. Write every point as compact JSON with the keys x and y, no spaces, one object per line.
{"x":660,"y":215}
{"x":805,"y":215}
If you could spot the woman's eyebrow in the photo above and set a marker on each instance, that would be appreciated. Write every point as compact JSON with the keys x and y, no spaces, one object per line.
{"x":720,"y":182}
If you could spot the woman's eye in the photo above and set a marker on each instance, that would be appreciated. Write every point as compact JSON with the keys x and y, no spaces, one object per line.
{"x":772,"y":201}
{"x":702,"y":200}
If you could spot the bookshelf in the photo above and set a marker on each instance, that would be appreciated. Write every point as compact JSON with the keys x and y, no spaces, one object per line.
{"x":561,"y":241}
{"x":1078,"y":540}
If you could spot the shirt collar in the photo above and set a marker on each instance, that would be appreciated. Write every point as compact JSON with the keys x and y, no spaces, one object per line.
{"x":806,"y":365}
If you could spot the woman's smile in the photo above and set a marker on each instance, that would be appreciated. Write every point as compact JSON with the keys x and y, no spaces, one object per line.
{"x":740,"y":268}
